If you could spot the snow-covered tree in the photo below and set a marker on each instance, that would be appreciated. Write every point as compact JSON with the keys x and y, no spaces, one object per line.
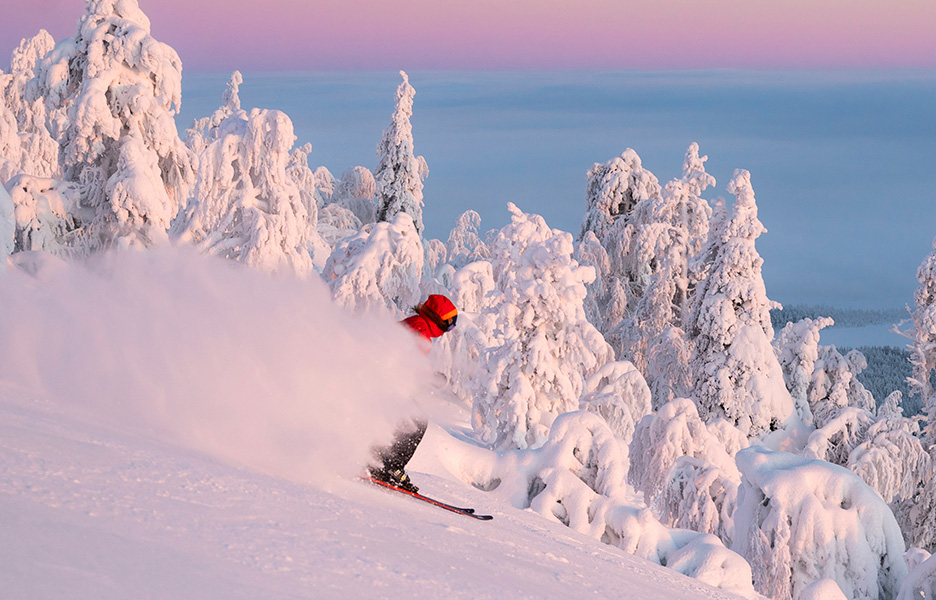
{"x":839,"y":435}
{"x":400,"y":173}
{"x":355,"y":192}
{"x":891,"y":459}
{"x":649,"y":252}
{"x":619,"y":393}
{"x":922,"y":336}
{"x":920,"y":584}
{"x":304,"y":178}
{"x":684,"y":469}
{"x":590,"y":253}
{"x":247,"y":207}
{"x":736,"y":374}
{"x":464,"y":245}
{"x":461,"y":351}
{"x":797,"y":348}
{"x":800,"y":520}
{"x":23,"y":114}
{"x":378,"y":271}
{"x":701,"y":497}
{"x":920,"y":514}
{"x":118,"y":89}
{"x":545,"y":346}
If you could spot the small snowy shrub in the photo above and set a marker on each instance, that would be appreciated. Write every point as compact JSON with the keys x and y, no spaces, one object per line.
{"x":920,"y":584}
{"x":577,"y":478}
{"x":619,"y":393}
{"x":800,"y":520}
{"x":43,"y":211}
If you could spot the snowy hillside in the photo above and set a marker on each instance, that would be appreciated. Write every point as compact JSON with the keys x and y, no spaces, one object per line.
{"x":90,"y":512}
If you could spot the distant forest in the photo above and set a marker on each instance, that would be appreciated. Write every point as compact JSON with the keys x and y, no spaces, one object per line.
{"x":843,"y":317}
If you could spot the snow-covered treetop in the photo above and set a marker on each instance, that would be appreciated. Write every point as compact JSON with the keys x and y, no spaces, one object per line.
{"x":612,"y":190}
{"x":247,"y":206}
{"x":204,"y":131}
{"x":400,"y":173}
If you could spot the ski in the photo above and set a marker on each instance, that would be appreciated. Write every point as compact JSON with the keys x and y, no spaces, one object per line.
{"x":468,"y":512}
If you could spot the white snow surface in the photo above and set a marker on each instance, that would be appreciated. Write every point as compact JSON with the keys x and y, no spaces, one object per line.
{"x":175,"y":426}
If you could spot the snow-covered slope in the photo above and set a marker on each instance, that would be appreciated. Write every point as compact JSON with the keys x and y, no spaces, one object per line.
{"x":89,"y":511}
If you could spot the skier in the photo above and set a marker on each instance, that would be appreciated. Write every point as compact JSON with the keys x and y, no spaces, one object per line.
{"x":432,"y":318}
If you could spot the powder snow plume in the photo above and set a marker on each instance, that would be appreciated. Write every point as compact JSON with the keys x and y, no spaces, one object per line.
{"x":255,"y":370}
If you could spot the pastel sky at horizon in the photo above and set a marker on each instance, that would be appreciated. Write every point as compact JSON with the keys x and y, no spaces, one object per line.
{"x":277,"y":35}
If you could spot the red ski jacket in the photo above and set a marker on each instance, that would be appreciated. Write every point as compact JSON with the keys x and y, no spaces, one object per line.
{"x":433,"y":314}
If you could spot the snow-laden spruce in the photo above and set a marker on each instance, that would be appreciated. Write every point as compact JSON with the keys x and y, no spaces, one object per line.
{"x":355,"y":192}
{"x":800,"y":520}
{"x":378,"y":270}
{"x":400,"y":173}
{"x":114,"y":90}
{"x":835,"y":384}
{"x":544,"y":347}
{"x":612,"y":189}
{"x":247,"y":207}
{"x":797,"y":348}
{"x":663,"y":234}
{"x":26,"y":144}
{"x":736,"y":374}
{"x":464,"y":245}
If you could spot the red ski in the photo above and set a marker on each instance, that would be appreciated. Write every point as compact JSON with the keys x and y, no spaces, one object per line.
{"x":468,"y":512}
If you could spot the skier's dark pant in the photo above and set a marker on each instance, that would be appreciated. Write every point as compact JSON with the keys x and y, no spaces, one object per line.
{"x":395,"y":456}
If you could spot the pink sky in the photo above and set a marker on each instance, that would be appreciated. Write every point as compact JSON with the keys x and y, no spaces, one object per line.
{"x":222,"y":35}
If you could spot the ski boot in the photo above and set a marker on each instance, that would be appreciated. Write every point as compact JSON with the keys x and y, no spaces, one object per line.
{"x":397,"y":478}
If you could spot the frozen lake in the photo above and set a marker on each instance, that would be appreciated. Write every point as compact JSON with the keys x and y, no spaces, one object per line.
{"x":840,"y":161}
{"x":854,"y":337}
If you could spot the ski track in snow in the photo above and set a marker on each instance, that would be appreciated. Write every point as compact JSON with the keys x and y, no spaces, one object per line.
{"x":87,"y":511}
